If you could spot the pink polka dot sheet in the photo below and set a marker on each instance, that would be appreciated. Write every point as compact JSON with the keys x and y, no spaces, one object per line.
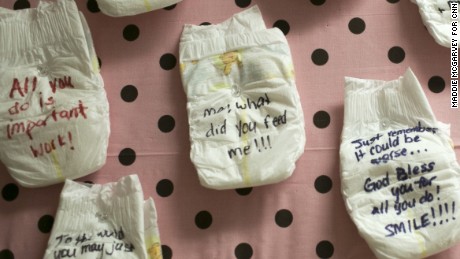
{"x":301,"y":217}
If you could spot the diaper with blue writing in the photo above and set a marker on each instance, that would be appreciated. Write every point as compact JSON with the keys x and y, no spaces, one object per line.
{"x":246,"y":121}
{"x":54,"y":114}
{"x":436,"y":16}
{"x":400,"y":177}
{"x":105,"y":221}
{"x":118,"y":8}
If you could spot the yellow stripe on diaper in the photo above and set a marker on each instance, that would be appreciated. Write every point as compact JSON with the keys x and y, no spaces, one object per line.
{"x":289,"y":72}
{"x":219,"y":86}
{"x":148,"y":5}
{"x":418,"y":236}
{"x":153,"y":246}
{"x":95,"y":64}
{"x":56,"y":165}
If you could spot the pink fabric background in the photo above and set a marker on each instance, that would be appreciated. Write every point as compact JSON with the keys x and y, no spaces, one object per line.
{"x":236,"y":218}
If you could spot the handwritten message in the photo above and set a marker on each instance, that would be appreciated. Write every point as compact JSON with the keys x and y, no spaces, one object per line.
{"x":103,"y":243}
{"x":29,"y":94}
{"x":391,"y":145}
{"x":246,"y":125}
{"x":412,"y":183}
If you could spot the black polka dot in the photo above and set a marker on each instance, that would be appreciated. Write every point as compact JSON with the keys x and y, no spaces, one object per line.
{"x":244,"y":191}
{"x":396,"y":54}
{"x":356,"y":25}
{"x":21,"y":4}
{"x":131,"y":32}
{"x":283,"y":26}
{"x":10,"y":192}
{"x":168,"y":8}
{"x":127,"y":156}
{"x":166,"y":251}
{"x":205,"y":23}
{"x":203,"y":219}
{"x":166,"y":123}
{"x":392,"y":1}
{"x":242,"y":3}
{"x":129,"y":93}
{"x":243,"y":251}
{"x":321,"y":119}
{"x":283,"y":218}
{"x":6,"y":254}
{"x":436,"y":84}
{"x":45,"y":223}
{"x":168,"y":61}
{"x":318,"y":2}
{"x":324,"y":249}
{"x":323,"y":184}
{"x":92,"y":6}
{"x":319,"y":57}
{"x":165,"y":188}
{"x":89,"y":182}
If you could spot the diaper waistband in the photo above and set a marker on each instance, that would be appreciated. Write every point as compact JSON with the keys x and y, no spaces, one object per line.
{"x":376,"y":102}
{"x":32,"y":28}
{"x":79,"y":202}
{"x":242,"y":30}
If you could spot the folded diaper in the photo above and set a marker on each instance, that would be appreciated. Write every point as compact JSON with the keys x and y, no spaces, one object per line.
{"x":132,"y":7}
{"x":400,"y":177}
{"x":436,"y":15}
{"x":54,"y":115}
{"x":246,"y":121}
{"x":105,"y":221}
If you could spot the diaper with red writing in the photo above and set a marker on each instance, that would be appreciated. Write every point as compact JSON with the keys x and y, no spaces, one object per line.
{"x":437,"y":17}
{"x":54,"y":114}
{"x":105,"y":221}
{"x":400,"y":177}
{"x":119,"y":8}
{"x":246,"y":121}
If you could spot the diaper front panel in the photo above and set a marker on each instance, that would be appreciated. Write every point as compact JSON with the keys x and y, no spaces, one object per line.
{"x":54,"y":122}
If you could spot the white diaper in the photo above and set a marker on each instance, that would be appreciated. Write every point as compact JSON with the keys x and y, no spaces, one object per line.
{"x":400,"y":177}
{"x":54,"y":115}
{"x":246,"y":121}
{"x":132,"y":7}
{"x":436,"y":15}
{"x":105,"y":221}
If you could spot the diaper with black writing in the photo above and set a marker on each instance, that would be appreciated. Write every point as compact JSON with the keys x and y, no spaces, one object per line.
{"x":436,"y":16}
{"x":54,"y":115}
{"x":105,"y":221}
{"x":400,"y":177}
{"x":246,"y":121}
{"x":118,"y":8}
